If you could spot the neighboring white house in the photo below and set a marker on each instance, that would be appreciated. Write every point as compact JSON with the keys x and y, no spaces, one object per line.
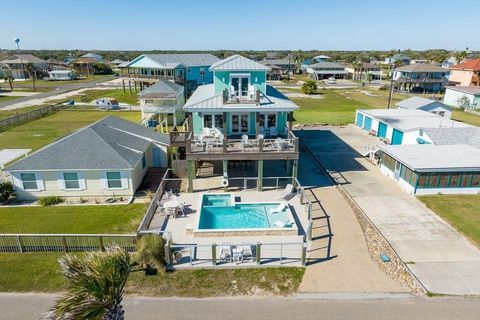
{"x":419,"y":103}
{"x":109,"y":157}
{"x":433,"y":169}
{"x":62,"y":75}
{"x":461,"y":96}
{"x":163,"y":102}
{"x":325,"y":70}
{"x":401,"y":126}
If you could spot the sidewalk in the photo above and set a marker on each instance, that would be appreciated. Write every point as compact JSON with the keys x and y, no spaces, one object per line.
{"x":350,"y":268}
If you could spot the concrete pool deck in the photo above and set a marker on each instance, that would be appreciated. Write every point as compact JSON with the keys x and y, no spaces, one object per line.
{"x":442,"y":259}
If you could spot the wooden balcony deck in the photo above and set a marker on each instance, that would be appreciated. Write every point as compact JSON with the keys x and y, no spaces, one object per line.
{"x":234,"y":149}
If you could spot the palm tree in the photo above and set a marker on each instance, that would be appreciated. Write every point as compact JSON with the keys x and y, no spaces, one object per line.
{"x":9,"y":78}
{"x":95,"y":285}
{"x":460,"y":55}
{"x":32,"y":73}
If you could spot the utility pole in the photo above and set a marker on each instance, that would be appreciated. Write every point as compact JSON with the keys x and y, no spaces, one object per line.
{"x":390,"y":93}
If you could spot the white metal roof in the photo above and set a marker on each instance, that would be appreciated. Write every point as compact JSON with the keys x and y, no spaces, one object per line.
{"x":429,"y":157}
{"x":204,"y":99}
{"x":409,"y":120}
{"x":238,"y":63}
{"x":422,"y":103}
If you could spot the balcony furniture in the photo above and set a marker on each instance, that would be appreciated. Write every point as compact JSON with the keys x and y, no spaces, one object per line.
{"x":261,"y":130}
{"x":232,"y":95}
{"x":251,"y":92}
{"x":206,"y":132}
{"x":247,"y":252}
{"x":273,"y":132}
{"x":287,"y":192}
{"x":237,"y":254}
{"x":171,"y":207}
{"x":217,"y":132}
{"x":245,"y":142}
{"x":225,"y":254}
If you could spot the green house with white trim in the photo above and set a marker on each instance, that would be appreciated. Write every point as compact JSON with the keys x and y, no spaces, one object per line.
{"x":239,"y":118}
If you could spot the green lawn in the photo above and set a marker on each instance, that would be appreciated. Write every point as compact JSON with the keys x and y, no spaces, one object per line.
{"x":335,"y":108}
{"x":122,"y":97}
{"x":41,"y":132}
{"x":39,"y":272}
{"x":8,"y":113}
{"x":72,"y":219}
{"x":461,"y":211}
{"x":46,"y":85}
{"x":8,"y":98}
{"x":466,"y":117}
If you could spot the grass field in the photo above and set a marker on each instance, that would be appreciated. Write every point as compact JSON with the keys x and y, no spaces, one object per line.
{"x":39,"y":272}
{"x":43,"y":131}
{"x":461,"y":211}
{"x":8,"y":98}
{"x":8,"y":113}
{"x":337,"y":107}
{"x":466,"y":117}
{"x":72,"y":219}
{"x":122,"y":97}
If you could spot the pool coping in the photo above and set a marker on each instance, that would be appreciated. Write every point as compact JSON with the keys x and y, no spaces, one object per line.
{"x":277,"y":231}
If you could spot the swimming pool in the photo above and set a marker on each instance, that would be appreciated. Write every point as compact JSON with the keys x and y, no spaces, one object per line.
{"x":220,"y":212}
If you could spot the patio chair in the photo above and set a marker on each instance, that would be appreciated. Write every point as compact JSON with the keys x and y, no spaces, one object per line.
{"x":273,"y":132}
{"x":170,"y":194}
{"x":247,"y":252}
{"x":199,"y":141}
{"x":206,"y":132}
{"x":261,"y":130}
{"x":283,"y":224}
{"x":245,"y":142}
{"x":287,"y":192}
{"x":217,"y":132}
{"x":281,"y":207}
{"x":232,"y":95}
{"x":251,"y":92}
{"x":225,"y":254}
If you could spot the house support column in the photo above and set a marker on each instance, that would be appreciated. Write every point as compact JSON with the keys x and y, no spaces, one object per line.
{"x":294,"y":173}
{"x":260,"y":175}
{"x":190,"y":174}
{"x":225,"y":173}
{"x":224,"y":123}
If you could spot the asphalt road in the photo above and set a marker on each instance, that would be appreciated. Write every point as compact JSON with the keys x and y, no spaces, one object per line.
{"x":31,"y":306}
{"x":59,"y":90}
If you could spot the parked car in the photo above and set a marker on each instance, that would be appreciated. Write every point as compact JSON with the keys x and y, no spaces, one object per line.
{"x":331,"y":80}
{"x":69,"y":103}
{"x":107,"y":104}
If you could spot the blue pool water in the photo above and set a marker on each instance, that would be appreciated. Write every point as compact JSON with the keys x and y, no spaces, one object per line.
{"x":218,"y":213}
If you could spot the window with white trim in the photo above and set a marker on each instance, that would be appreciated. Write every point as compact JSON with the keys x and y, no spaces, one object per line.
{"x":29,"y":181}
{"x":71,"y":180}
{"x":114,"y":180}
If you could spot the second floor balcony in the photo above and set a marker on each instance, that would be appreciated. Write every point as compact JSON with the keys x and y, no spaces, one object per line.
{"x":249,"y":96}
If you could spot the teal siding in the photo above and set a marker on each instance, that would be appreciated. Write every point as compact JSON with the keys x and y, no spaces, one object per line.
{"x":359,"y":120}
{"x":367,"y":125}
{"x":252,"y":121}
{"x":197,"y":123}
{"x":281,"y":122}
{"x":382,"y":130}
{"x":397,"y":137}
{"x":222,"y":80}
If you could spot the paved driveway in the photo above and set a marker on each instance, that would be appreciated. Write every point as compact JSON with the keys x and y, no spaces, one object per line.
{"x":442,"y":259}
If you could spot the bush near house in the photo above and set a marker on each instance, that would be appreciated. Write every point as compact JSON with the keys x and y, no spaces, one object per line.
{"x":50,"y":201}
{"x":309,"y":87}
{"x":6,"y":191}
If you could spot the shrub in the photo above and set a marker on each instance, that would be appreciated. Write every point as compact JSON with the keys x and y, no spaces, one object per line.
{"x":150,"y":252}
{"x":50,"y":201}
{"x":6,"y":191}
{"x":309,"y":87}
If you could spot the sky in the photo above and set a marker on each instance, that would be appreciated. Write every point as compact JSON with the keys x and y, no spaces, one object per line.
{"x":240,"y":24}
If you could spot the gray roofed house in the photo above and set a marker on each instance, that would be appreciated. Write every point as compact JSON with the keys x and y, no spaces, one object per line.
{"x":15,"y":65}
{"x":164,"y":99}
{"x":161,"y":87}
{"x":108,"y":147}
{"x":238,"y":63}
{"x":453,"y":136}
{"x":419,"y":103}
{"x":325,"y":69}
{"x":422,"y":67}
{"x":185,"y":59}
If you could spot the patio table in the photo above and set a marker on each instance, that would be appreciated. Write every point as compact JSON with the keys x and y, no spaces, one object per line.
{"x":172,"y":205}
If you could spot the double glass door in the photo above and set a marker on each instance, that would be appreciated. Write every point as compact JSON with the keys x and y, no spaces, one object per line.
{"x":240,"y":85}
{"x":239,"y":123}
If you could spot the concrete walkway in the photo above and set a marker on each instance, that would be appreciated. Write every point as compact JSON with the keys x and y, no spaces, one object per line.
{"x":441,"y":258}
{"x":341,"y":262}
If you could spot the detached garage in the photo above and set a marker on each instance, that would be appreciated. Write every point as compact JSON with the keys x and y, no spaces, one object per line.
{"x":401,"y":126}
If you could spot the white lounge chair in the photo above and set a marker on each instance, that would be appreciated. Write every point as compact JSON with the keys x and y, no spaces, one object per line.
{"x":251,"y":92}
{"x":245,"y":142}
{"x":282,"y":224}
{"x":217,"y":132}
{"x":281,"y":207}
{"x":287,"y":192}
{"x":247,"y":252}
{"x":225,"y":254}
{"x":232,"y":93}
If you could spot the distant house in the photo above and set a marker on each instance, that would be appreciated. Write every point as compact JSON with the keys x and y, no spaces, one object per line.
{"x":461,"y":96}
{"x":316,"y":59}
{"x":466,"y":73}
{"x":15,"y":65}
{"x":400,"y":57}
{"x":61,"y":75}
{"x":105,"y":159}
{"x":325,"y":70}
{"x":421,"y":77}
{"x":283,"y":65}
{"x":93,"y":55}
{"x":189,"y":70}
{"x":433,"y":106}
{"x":84,"y":65}
{"x":163,"y":102}
{"x":449,"y":62}
{"x":117,"y":62}
{"x":364,"y":71}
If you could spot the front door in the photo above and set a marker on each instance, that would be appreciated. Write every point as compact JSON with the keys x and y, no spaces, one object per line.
{"x":157,"y":157}
{"x":240,"y":85}
{"x":382,"y":130}
{"x":239,"y":123}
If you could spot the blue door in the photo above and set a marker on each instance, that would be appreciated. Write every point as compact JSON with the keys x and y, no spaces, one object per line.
{"x":367,"y":125}
{"x":382,"y":130}
{"x":397,"y":137}
{"x":359,"y":121}
{"x":157,"y":157}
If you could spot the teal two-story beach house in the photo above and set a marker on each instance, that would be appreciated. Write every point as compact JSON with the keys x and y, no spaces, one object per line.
{"x":239,"y":118}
